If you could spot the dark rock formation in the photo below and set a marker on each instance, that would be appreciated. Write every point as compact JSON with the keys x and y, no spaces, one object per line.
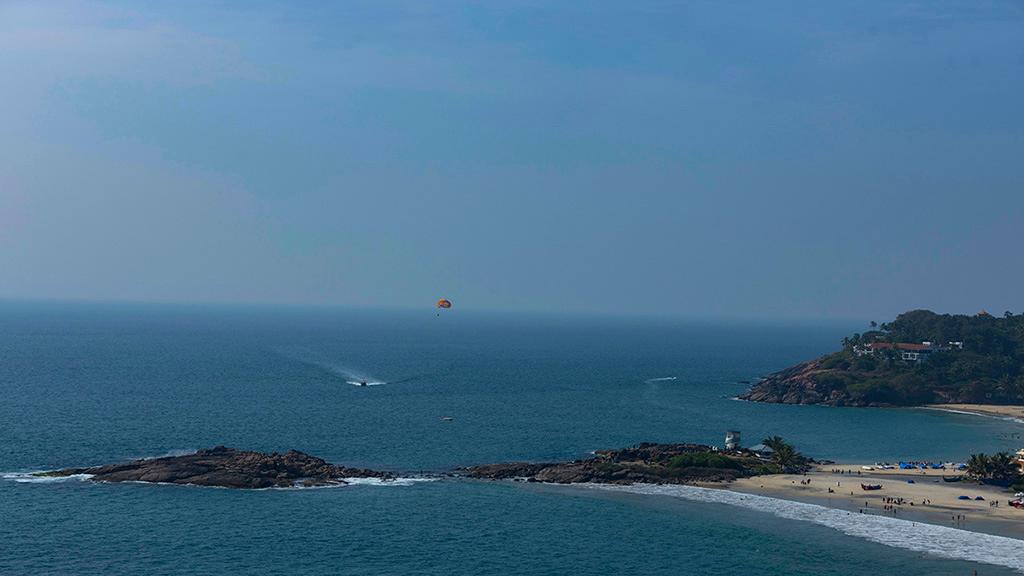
{"x":228,"y":468}
{"x":800,"y":384}
{"x":644,"y":463}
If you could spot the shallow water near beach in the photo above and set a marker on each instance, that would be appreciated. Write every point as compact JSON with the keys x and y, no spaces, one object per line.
{"x":92,"y":384}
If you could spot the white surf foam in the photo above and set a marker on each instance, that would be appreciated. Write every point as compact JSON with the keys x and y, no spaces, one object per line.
{"x":392,"y":482}
{"x":979,"y":414}
{"x":942,"y":541}
{"x":663,"y":379}
{"x":31,"y":478}
{"x":172,"y":454}
{"x":361,"y":482}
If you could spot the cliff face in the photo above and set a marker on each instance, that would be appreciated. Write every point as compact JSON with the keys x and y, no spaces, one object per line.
{"x":811,"y":383}
{"x":800,"y":384}
{"x":967,"y":359}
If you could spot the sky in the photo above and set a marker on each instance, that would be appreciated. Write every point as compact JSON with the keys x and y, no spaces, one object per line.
{"x":736,"y":159}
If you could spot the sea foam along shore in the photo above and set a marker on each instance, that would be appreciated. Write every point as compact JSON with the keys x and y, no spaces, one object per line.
{"x":942,"y":541}
{"x":1014,"y":413}
{"x":919,"y":495}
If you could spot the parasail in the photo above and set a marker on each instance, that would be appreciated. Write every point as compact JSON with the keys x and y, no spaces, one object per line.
{"x":444,"y":303}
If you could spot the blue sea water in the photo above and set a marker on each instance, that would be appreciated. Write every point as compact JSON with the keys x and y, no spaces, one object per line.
{"x":91,"y":384}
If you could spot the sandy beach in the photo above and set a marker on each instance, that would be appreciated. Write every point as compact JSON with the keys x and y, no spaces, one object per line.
{"x":982,"y":409}
{"x":852,"y":470}
{"x":927,"y":499}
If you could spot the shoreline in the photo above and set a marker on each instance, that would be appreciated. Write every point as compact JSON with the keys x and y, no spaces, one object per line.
{"x":1005,"y":412}
{"x":978,"y":541}
{"x":934,"y":501}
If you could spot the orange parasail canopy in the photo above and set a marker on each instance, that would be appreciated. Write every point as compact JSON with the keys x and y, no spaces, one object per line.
{"x":443,"y":303}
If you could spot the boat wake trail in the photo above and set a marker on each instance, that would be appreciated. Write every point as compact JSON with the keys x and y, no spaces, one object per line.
{"x":662,"y":379}
{"x":942,"y":541}
{"x":349,"y":375}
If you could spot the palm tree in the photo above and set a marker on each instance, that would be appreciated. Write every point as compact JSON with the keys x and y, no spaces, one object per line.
{"x":979,"y":466}
{"x":1002,"y":466}
{"x":787,"y":457}
{"x":784,"y":454}
{"x":775,"y":443}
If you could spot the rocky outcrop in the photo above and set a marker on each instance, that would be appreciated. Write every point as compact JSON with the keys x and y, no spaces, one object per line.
{"x":644,"y":463}
{"x":228,"y":468}
{"x":800,"y":384}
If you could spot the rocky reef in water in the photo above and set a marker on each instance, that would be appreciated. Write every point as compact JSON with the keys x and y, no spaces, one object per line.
{"x":228,"y":468}
{"x":643,"y":463}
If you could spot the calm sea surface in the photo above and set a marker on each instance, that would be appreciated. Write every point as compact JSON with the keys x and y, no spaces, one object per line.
{"x":92,"y":384}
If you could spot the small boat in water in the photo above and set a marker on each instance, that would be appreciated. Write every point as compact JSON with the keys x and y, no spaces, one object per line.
{"x":870,"y":486}
{"x":447,"y":418}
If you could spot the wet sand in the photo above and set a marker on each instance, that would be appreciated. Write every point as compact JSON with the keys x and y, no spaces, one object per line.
{"x":934,"y":501}
{"x":982,"y":410}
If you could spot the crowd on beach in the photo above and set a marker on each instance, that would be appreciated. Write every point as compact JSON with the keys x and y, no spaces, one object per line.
{"x":890,"y":504}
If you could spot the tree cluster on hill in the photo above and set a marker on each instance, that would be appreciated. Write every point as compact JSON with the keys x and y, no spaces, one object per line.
{"x":989,"y":369}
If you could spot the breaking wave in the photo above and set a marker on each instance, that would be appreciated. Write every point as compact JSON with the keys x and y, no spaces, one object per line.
{"x":662,"y":379}
{"x":31,"y":478}
{"x":172,"y":454}
{"x":394,"y":482}
{"x":979,"y":414}
{"x":349,"y":482}
{"x":942,"y":541}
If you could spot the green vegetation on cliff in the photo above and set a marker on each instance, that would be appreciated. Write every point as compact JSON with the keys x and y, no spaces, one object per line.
{"x":971,"y":359}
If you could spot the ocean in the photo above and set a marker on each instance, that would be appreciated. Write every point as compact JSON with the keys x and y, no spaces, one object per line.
{"x":85,"y":384}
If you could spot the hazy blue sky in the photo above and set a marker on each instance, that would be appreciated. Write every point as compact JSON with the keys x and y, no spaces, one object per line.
{"x":699,"y":158}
